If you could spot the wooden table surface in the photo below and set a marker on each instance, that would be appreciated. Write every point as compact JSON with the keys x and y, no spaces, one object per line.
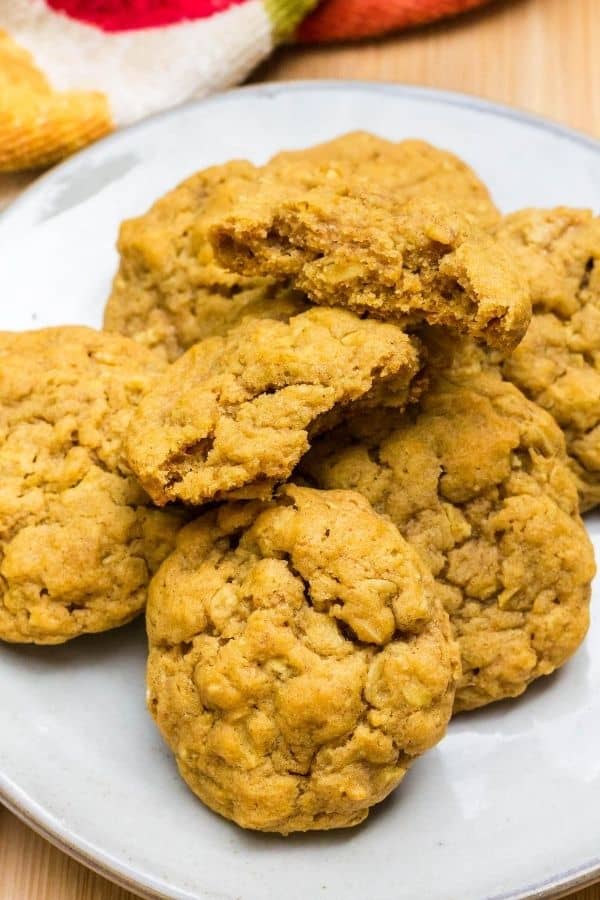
{"x":543,"y":55}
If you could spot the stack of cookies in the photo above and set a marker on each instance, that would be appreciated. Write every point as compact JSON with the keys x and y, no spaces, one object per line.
{"x":336,"y":438}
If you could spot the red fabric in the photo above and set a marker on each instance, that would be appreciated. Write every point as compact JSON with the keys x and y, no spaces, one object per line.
{"x":348,"y":19}
{"x":116,"y":15}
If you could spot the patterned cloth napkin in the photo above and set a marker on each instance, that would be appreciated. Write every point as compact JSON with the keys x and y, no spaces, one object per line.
{"x":72,"y":70}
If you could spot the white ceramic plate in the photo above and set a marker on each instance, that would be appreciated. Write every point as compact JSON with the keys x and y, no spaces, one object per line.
{"x":508,"y":806}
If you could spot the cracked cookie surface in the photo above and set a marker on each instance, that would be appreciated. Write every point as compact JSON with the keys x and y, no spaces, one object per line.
{"x":169,"y":293}
{"x":79,"y":539}
{"x":476,"y":479}
{"x":558,"y":362}
{"x":347,"y":241}
{"x":409,"y":169}
{"x":236,"y":413}
{"x":300,"y":659}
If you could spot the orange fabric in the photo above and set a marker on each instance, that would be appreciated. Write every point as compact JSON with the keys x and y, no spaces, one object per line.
{"x":348,"y":19}
{"x":40,"y":126}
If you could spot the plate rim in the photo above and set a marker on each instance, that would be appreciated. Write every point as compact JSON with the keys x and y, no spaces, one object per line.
{"x":24,"y":806}
{"x":270,"y":88}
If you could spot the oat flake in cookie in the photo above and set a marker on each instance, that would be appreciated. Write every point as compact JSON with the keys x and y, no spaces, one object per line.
{"x":300,"y":659}
{"x":79,"y":538}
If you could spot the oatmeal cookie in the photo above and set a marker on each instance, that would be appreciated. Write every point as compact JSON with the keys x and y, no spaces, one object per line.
{"x":349,"y":242}
{"x":408,"y":169}
{"x":169,"y":293}
{"x":79,"y":538}
{"x":300,"y":659}
{"x":558,"y":362}
{"x":238,"y":412}
{"x":476,"y":478}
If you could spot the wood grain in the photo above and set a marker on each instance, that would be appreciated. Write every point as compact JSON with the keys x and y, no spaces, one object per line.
{"x":543,"y":55}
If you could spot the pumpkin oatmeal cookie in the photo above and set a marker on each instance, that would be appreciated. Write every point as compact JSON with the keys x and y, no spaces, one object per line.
{"x":476,"y":478}
{"x":346,"y":240}
{"x":558,"y":362}
{"x":79,"y":538}
{"x":300,"y":659}
{"x":348,"y":243}
{"x":169,"y":292}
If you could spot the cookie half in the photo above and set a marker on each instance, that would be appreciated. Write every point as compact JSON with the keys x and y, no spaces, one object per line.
{"x":300,"y":659}
{"x":236,"y":413}
{"x":350,"y":242}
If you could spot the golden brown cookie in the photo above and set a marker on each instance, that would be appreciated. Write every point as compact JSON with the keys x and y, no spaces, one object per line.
{"x":476,"y":478}
{"x":238,"y":412}
{"x":408,"y":169}
{"x":78,"y":537}
{"x":300,"y":659}
{"x":169,"y":293}
{"x":558,"y":362}
{"x":348,"y":241}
